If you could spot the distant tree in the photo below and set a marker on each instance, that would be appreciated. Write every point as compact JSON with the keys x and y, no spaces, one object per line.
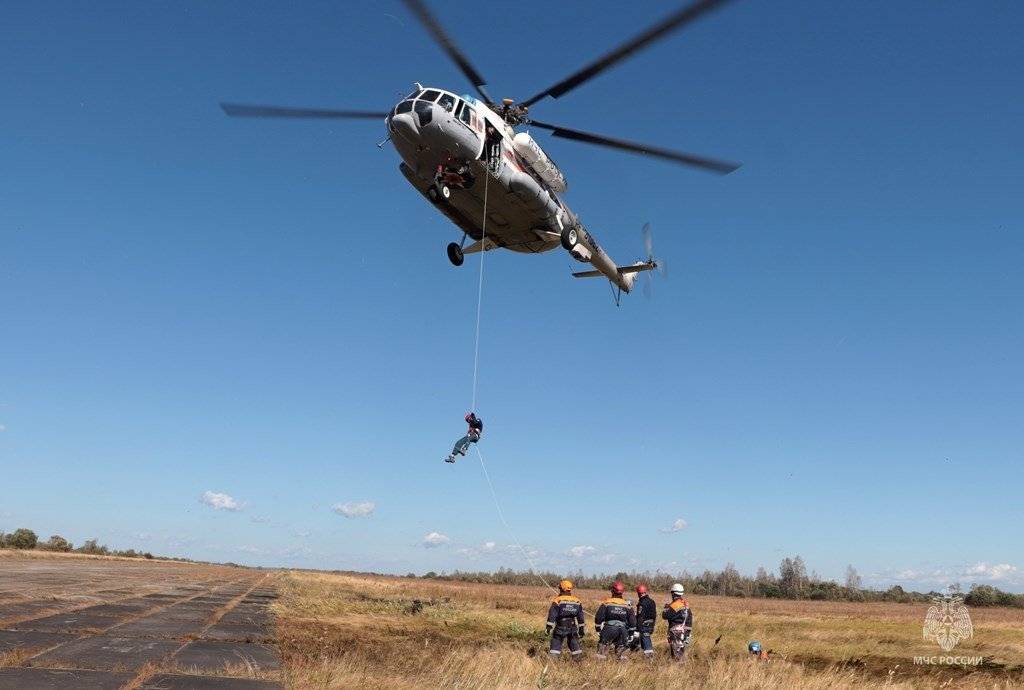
{"x":430,"y":575}
{"x":792,"y":576}
{"x":57,"y":543}
{"x":22,"y":539}
{"x":93,"y":548}
{"x":896,"y":594}
{"x":762,"y":575}
{"x":983,"y":595}
{"x":852,"y":578}
{"x":728,"y":582}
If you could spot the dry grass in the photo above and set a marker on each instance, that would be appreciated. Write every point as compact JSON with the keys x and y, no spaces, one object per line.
{"x":342,"y":631}
{"x":15,"y":657}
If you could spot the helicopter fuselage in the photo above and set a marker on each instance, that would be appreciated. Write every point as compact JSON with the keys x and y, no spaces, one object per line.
{"x":461,"y":147}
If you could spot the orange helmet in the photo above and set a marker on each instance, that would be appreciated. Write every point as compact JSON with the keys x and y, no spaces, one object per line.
{"x":641,"y":590}
{"x":565,"y":586}
{"x":618,"y":588}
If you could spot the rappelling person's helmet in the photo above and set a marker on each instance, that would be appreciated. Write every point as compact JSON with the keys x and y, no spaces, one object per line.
{"x":677,"y":590}
{"x":641,"y":590}
{"x":618,"y":588}
{"x":754,"y":647}
{"x":565,"y":586}
{"x":469,"y":417}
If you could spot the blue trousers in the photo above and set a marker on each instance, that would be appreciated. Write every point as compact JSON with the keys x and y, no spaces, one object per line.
{"x":572,"y":639}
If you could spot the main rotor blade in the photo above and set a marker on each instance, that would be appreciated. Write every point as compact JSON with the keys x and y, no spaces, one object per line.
{"x":720,"y":167}
{"x":671,"y":23}
{"x":236,"y":110}
{"x":428,"y":20}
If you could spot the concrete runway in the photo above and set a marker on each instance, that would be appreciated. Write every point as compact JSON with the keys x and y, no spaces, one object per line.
{"x":106,"y":624}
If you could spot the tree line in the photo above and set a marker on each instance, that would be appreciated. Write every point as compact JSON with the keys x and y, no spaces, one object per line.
{"x":26,"y":540}
{"x":792,"y":581}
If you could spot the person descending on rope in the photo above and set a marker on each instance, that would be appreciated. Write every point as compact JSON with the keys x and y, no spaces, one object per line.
{"x":476,"y":427}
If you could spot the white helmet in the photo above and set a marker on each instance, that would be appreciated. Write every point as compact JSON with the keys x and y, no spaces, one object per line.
{"x":677,"y":589}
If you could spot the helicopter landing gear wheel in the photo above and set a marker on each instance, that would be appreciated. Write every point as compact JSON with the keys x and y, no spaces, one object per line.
{"x":455,"y":254}
{"x":570,"y":237}
{"x":439,"y":193}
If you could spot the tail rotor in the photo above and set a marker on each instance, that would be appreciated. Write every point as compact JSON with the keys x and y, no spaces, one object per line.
{"x":651,"y":260}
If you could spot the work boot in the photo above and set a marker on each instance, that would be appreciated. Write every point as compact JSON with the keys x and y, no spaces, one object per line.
{"x":450,"y":458}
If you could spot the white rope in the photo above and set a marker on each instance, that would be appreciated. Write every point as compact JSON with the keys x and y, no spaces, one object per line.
{"x":480,"y":288}
{"x":534,"y":570}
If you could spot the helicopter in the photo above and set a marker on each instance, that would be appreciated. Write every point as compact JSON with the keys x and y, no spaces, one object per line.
{"x":497,"y":185}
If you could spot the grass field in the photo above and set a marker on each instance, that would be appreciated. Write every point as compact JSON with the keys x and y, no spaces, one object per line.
{"x":342,"y":631}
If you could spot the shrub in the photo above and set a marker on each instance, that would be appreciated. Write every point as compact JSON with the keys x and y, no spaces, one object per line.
{"x":57,"y":543}
{"x":22,"y":539}
{"x":93,"y":548}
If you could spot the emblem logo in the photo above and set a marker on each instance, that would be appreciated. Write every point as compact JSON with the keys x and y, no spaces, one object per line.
{"x":947,"y":622}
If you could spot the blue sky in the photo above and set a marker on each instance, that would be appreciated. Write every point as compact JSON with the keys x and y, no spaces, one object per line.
{"x":262,"y":310}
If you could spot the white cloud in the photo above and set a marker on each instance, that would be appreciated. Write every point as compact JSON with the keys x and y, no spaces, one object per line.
{"x":677,"y":526}
{"x":435,"y":539}
{"x":219,"y":501}
{"x":255,"y":550}
{"x":581,"y":551}
{"x":3,"y":428}
{"x":941,"y":576}
{"x":985,"y":571}
{"x":474,"y":552}
{"x":354,"y":510}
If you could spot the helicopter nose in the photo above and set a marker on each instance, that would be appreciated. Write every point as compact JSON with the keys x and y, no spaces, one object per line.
{"x":405,"y":126}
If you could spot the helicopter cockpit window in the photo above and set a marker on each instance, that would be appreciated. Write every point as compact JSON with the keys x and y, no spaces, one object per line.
{"x":429,"y":95}
{"x":466,"y":114}
{"x":424,"y":112}
{"x":447,"y":102}
{"x":403,"y":107}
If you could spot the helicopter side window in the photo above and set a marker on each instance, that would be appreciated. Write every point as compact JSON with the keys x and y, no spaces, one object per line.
{"x":429,"y":95}
{"x":466,"y":114}
{"x":447,"y":102}
{"x":403,"y":107}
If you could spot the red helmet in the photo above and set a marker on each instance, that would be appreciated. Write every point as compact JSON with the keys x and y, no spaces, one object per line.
{"x":618,"y":588}
{"x":641,"y":590}
{"x":469,"y":416}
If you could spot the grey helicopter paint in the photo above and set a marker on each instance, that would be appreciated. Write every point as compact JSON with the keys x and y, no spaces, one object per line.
{"x":463,"y":153}
{"x":436,"y":131}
